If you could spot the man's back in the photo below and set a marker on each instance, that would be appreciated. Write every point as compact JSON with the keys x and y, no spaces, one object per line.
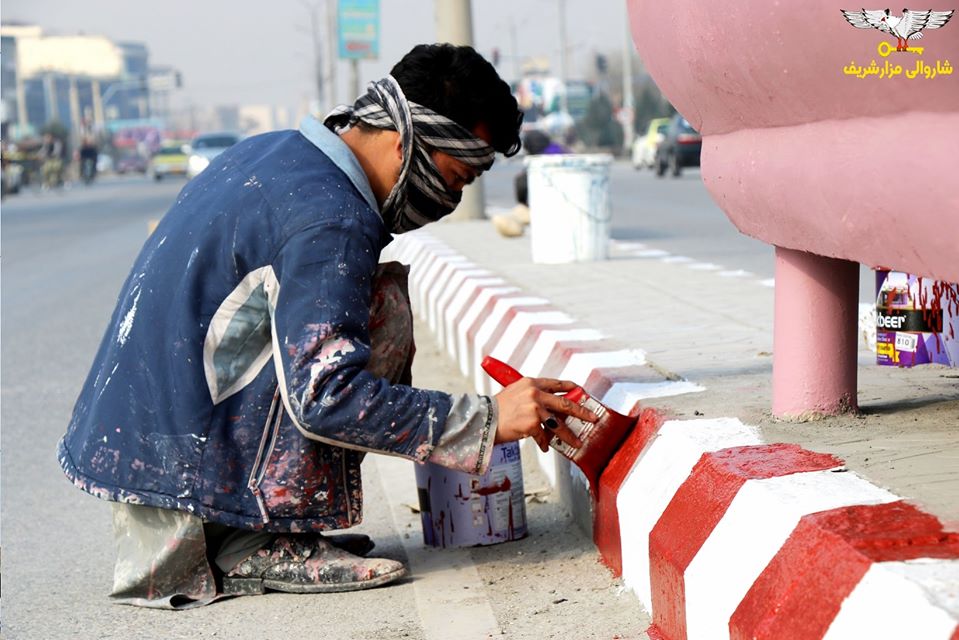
{"x":192,"y":325}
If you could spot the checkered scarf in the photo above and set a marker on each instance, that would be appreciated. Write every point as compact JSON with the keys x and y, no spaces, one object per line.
{"x":421,"y":195}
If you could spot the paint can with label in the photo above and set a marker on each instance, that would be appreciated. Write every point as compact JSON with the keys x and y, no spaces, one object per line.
{"x":917,"y":320}
{"x":569,"y":205}
{"x":459,"y":509}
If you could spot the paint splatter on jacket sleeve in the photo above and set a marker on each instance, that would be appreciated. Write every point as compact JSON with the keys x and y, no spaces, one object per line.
{"x":322,"y":347}
{"x":467,"y":440}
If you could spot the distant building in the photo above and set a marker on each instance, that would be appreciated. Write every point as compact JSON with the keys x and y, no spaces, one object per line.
{"x":8,"y":79}
{"x":163,"y":81}
{"x":260,"y":118}
{"x":133,"y":99}
{"x":82,"y":81}
{"x":227,"y":118}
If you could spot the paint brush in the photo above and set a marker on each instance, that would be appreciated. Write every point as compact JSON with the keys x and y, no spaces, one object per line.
{"x":600,"y":439}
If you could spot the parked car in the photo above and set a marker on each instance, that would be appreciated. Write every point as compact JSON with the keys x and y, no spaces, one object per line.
{"x":644,"y":147}
{"x":207,"y":146}
{"x":169,"y":160}
{"x":680,"y":148}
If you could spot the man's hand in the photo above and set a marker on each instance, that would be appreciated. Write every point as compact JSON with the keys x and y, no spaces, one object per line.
{"x":529,"y":402}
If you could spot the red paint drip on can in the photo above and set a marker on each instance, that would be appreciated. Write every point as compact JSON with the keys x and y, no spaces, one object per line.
{"x":459,"y":509}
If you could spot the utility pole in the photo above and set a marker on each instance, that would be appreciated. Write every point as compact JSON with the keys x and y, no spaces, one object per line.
{"x":318,"y":73}
{"x":76,"y":121}
{"x":628,"y":101}
{"x":317,"y":56}
{"x":98,"y":118}
{"x":563,"y":61}
{"x":454,"y":24}
{"x":513,"y":48}
{"x":354,"y":79}
{"x":22,"y":117}
{"x":332,"y":53}
{"x":50,"y":89}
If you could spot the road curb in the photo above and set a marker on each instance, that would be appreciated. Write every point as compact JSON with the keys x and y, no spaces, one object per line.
{"x":716,"y":532}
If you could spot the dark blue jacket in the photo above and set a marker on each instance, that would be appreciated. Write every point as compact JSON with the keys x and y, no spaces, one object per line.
{"x":231,"y":377}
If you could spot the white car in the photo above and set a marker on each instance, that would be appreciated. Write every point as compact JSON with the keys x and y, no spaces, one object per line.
{"x":205,"y":147}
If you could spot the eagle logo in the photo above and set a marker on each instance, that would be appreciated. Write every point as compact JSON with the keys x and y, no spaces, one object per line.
{"x":908,"y":26}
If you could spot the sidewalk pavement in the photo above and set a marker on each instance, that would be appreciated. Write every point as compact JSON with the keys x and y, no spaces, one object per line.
{"x":722,"y":521}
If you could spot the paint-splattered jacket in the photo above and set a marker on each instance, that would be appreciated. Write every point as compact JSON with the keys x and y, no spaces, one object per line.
{"x":231,"y":381}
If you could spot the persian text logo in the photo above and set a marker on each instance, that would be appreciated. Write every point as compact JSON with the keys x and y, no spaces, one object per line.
{"x":907,"y":27}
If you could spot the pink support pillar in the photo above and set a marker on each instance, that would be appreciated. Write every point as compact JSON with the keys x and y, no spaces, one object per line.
{"x":815,"y":335}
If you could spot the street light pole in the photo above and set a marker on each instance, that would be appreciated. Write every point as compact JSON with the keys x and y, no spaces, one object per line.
{"x":454,"y":24}
{"x":628,"y":101}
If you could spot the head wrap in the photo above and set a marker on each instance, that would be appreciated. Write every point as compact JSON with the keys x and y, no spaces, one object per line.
{"x":420,"y":195}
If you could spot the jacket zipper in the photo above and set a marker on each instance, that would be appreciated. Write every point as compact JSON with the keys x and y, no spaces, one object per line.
{"x":270,"y":431}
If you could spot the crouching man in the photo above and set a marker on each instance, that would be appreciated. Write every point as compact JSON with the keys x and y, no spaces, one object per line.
{"x":258,"y":349}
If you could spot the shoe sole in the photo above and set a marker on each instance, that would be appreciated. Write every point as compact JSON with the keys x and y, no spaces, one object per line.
{"x":258,"y":586}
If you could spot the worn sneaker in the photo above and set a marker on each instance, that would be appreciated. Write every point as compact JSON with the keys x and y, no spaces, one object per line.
{"x":308,"y":564}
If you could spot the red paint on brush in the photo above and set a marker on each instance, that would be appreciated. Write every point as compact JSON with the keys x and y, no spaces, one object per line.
{"x":800,"y":591}
{"x":698,"y":506}
{"x":600,"y":439}
{"x":606,"y":533}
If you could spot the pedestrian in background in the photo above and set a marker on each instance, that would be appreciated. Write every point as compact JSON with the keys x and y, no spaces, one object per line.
{"x":258,"y":349}
{"x":51,"y":155}
{"x":88,"y":158}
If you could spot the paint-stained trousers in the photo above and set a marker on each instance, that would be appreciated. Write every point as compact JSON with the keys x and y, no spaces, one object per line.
{"x":170,"y":559}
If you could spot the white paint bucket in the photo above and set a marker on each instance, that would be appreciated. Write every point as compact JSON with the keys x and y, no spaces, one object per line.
{"x":458,"y":509}
{"x":570,"y":211}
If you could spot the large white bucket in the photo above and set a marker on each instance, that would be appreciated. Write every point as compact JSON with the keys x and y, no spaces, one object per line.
{"x":569,"y":207}
{"x":462,"y":510}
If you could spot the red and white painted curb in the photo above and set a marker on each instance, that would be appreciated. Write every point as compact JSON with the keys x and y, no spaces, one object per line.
{"x":718,"y":534}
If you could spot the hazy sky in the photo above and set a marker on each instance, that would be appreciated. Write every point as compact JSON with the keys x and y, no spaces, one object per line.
{"x":255,"y":52}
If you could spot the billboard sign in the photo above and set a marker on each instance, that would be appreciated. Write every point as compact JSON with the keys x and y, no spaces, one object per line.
{"x":358,"y":26}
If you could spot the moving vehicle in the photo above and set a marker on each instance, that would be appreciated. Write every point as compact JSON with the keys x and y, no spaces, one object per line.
{"x":644,"y":147}
{"x":680,"y":148}
{"x":130,"y":161}
{"x":169,"y":160}
{"x":207,"y":146}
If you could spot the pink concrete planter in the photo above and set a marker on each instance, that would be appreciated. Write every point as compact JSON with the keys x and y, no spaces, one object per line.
{"x":808,"y":158}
